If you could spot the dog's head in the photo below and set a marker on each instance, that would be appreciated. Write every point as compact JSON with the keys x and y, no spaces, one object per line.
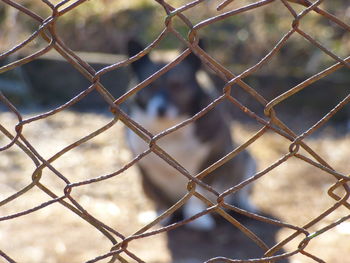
{"x":174,"y":94}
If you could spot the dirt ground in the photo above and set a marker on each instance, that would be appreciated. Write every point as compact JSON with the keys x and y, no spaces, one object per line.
{"x":294,"y":192}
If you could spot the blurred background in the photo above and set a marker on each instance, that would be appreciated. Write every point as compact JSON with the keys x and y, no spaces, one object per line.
{"x":238,"y":42}
{"x":295,"y":192}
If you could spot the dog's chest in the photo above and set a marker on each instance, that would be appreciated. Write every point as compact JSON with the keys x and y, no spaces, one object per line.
{"x":182,"y":145}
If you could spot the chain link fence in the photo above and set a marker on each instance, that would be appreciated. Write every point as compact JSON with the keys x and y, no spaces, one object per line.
{"x":298,"y":147}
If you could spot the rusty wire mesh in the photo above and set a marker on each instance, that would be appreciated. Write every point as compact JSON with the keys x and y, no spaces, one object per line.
{"x":119,"y":243}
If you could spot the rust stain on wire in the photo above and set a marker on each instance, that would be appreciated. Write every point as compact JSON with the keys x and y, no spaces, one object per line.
{"x":46,"y":31}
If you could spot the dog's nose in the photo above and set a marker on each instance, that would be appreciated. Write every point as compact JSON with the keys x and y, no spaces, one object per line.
{"x":161,"y":110}
{"x":157,"y":106}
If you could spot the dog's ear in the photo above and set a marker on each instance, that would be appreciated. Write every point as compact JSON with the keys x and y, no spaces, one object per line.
{"x":194,"y":60}
{"x":134,"y":47}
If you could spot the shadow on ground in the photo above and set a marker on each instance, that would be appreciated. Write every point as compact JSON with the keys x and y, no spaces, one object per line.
{"x":190,"y":246}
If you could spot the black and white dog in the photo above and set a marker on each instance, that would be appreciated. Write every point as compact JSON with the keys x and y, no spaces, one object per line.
{"x":169,"y":100}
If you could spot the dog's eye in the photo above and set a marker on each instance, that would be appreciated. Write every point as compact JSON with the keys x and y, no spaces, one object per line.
{"x":140,"y":102}
{"x":143,"y":96}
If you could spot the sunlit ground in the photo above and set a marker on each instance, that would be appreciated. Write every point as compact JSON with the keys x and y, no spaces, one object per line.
{"x":294,"y":192}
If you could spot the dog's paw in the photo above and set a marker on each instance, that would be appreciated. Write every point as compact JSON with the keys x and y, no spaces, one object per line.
{"x":203,"y":223}
{"x":243,"y":201}
{"x":247,"y":205}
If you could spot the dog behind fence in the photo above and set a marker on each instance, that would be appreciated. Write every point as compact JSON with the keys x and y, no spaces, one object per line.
{"x":298,"y":145}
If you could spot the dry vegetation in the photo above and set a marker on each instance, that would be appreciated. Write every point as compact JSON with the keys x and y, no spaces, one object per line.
{"x":294,"y":192}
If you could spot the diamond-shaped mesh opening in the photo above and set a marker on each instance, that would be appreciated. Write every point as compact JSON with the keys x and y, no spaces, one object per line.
{"x":87,"y":186}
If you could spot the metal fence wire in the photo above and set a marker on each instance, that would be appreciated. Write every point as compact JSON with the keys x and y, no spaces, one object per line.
{"x":119,"y":251}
